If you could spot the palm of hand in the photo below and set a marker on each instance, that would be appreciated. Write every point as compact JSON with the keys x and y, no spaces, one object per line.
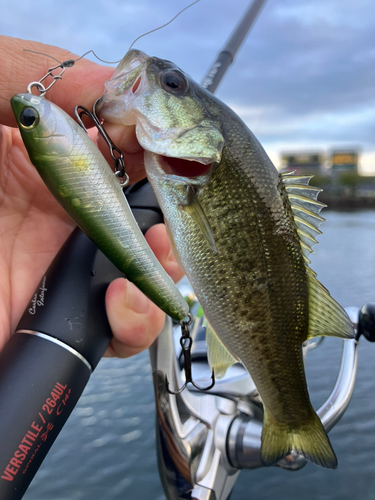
{"x":32,"y":228}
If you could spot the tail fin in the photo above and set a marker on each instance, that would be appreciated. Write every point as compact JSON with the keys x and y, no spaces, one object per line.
{"x":309,"y":440}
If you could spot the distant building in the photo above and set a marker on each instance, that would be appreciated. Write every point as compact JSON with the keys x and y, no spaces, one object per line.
{"x":303,"y":162}
{"x":344,"y":160}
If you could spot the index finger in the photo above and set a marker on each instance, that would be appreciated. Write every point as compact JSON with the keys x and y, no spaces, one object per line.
{"x":82,"y":84}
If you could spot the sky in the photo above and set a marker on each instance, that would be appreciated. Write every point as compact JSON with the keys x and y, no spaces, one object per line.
{"x":304,"y":79}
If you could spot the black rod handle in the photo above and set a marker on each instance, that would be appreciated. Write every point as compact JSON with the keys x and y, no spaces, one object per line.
{"x":46,"y":364}
{"x":41,"y":383}
{"x":59,"y":340}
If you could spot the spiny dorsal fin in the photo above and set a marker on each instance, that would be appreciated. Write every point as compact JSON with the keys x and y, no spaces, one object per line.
{"x":305,"y":207}
{"x":219,"y":358}
{"x":326,"y":316}
{"x":306,"y":203}
{"x":308,"y":191}
{"x":292,"y":178}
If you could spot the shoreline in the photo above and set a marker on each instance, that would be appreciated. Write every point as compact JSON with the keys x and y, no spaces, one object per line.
{"x":347,"y":203}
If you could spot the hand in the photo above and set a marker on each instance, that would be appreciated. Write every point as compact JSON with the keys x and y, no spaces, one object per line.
{"x":33,"y":226}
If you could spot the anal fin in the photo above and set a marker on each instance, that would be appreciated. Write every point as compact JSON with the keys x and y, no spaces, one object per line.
{"x":219,"y":358}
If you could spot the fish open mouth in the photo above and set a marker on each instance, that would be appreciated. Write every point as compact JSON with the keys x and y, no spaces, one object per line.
{"x":183,"y":168}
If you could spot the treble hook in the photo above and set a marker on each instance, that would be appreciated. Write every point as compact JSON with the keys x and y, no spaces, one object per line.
{"x":119,"y":160}
{"x":186,"y":343}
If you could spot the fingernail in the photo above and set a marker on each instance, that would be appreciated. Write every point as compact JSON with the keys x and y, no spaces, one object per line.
{"x":135,"y":300}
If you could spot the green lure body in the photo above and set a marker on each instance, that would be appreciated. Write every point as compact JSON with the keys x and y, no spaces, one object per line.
{"x":81,"y":180}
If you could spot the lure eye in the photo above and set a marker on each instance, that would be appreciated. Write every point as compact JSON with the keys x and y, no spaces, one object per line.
{"x":174,"y":82}
{"x":29,"y":118}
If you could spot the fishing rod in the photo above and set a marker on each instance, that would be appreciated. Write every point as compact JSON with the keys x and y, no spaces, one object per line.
{"x":205,"y":440}
{"x":226,"y":56}
{"x":57,"y":344}
{"x":201,"y":448}
{"x":64,"y":330}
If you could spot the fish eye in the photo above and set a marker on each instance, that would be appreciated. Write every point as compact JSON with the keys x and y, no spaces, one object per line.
{"x":174,"y":82}
{"x":29,"y":118}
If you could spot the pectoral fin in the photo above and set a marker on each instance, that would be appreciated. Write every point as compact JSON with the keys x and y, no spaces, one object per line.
{"x":196,"y":212}
{"x":326,"y":316}
{"x":219,"y":358}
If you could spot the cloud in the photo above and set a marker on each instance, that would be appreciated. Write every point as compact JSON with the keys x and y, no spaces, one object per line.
{"x":305,"y":75}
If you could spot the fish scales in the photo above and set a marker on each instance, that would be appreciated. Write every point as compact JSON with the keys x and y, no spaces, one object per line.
{"x":242,"y":234}
{"x":254,"y":290}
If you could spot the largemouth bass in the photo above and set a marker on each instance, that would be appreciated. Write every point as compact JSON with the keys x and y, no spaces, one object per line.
{"x":81,"y":180}
{"x":242,"y":233}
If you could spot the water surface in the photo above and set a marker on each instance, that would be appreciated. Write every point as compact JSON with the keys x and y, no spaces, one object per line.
{"x":106,"y":450}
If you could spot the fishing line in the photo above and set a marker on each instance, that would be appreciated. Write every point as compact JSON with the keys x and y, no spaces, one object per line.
{"x":70,"y":62}
{"x":166,"y":24}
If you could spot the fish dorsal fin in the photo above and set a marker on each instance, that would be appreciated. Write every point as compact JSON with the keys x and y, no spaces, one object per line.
{"x":219,"y":358}
{"x":196,"y":212}
{"x":326,"y":316}
{"x":305,"y":207}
